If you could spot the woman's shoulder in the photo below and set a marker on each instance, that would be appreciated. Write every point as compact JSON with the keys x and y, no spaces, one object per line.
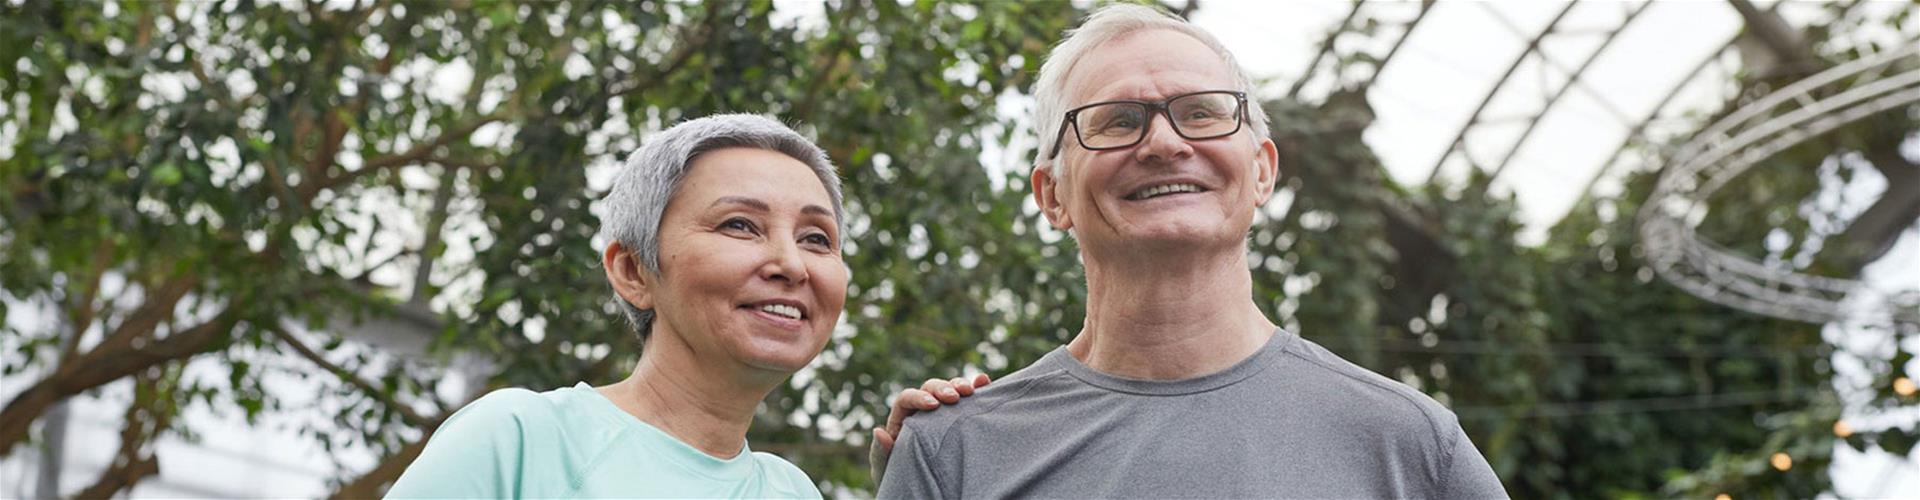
{"x":783,"y":479}
{"x":552,"y":415}
{"x":509,"y":406}
{"x":502,"y":444}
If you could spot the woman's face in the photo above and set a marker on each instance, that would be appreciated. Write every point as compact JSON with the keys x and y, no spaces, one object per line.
{"x":750,"y":262}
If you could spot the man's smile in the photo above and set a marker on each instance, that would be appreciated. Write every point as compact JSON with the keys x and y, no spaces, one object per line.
{"x":1158,"y":190}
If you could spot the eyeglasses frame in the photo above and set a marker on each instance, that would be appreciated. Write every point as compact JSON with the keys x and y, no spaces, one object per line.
{"x":1160,"y":107}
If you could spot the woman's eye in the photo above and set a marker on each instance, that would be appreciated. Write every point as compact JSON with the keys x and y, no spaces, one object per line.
{"x":818,"y":239}
{"x":737,"y":224}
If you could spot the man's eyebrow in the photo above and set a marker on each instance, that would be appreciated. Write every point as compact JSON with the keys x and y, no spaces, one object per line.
{"x":741,"y":200}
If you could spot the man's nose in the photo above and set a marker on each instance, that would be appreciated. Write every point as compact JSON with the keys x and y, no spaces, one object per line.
{"x":1162,"y":143}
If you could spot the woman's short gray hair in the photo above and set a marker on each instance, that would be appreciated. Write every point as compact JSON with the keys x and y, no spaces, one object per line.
{"x":1105,"y":25}
{"x":641,"y":189}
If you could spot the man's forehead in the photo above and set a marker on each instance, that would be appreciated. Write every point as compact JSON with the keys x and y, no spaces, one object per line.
{"x":1147,"y":63}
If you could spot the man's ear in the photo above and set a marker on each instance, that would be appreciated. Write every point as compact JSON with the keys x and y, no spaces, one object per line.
{"x":1266,"y":165}
{"x":628,"y":278}
{"x":1046,"y":195}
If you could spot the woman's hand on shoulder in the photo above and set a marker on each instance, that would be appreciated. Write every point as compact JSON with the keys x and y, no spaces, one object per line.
{"x":928,"y":397}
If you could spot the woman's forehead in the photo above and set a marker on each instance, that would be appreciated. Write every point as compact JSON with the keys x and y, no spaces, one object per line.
{"x":769,"y":176}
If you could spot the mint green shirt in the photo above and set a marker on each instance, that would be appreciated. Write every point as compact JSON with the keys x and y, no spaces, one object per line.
{"x":574,"y":443}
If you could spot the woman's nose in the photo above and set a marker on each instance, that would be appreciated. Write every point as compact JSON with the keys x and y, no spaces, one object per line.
{"x":784,"y":263}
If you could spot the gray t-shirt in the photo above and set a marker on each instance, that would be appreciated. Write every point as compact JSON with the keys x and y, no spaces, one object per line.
{"x":1291,"y":421}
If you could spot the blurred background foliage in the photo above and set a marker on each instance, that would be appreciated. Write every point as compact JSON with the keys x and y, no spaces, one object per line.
{"x":219,"y":182}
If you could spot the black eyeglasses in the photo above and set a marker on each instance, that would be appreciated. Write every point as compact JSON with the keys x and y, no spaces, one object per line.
{"x":1122,"y":124}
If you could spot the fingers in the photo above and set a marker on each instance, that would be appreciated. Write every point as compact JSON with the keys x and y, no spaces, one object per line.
{"x":877,"y":454}
{"x":966,"y":385}
{"x":962,"y":386}
{"x":943,"y":390}
{"x":928,"y":397}
{"x":885,"y":440}
{"x":905,"y":404}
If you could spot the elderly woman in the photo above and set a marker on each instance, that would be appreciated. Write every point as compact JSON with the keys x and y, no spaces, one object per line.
{"x":724,"y":247}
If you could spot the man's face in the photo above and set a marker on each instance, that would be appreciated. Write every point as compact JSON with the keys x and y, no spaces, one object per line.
{"x":1112,"y":200}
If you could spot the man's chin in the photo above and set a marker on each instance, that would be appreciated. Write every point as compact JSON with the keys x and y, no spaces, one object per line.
{"x":1177,"y":238}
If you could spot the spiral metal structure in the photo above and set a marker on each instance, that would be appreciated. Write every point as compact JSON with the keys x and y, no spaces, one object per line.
{"x":1710,"y":160}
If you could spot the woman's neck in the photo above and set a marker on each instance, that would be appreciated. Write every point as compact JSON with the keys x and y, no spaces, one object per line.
{"x":698,"y":403}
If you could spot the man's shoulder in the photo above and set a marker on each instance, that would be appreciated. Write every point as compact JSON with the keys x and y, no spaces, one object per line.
{"x":1361,"y":393}
{"x":930,"y":426}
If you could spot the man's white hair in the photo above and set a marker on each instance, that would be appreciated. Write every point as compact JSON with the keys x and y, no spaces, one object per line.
{"x":1105,"y":25}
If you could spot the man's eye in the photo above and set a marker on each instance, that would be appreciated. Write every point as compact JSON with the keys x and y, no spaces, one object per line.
{"x":1118,"y":125}
{"x":1203,"y":111}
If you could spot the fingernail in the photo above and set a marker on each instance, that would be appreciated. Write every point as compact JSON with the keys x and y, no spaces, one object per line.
{"x":949,"y":393}
{"x":929,"y":400}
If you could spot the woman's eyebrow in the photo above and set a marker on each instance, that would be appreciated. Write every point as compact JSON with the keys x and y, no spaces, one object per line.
{"x":741,"y":200}
{"x":816,"y":210}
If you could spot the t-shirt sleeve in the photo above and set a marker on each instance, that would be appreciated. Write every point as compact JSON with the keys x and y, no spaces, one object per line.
{"x":476,"y":453}
{"x":912,"y":470}
{"x":1468,"y":476}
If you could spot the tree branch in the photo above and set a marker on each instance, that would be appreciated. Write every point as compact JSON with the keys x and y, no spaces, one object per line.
{"x":1872,"y":234}
{"x":681,"y":53}
{"x":418,"y":154}
{"x":436,"y":221}
{"x":107,"y":364}
{"x":406,"y":412}
{"x":374,"y":482}
{"x":80,"y":313}
{"x":148,"y":416}
{"x":1795,"y":53}
{"x":156,"y":307}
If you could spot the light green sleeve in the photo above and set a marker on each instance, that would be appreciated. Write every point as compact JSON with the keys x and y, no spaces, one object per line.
{"x":480,"y":452}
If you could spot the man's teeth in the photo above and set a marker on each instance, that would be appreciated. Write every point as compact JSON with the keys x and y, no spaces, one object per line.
{"x":782,"y":309}
{"x":1165,"y":189}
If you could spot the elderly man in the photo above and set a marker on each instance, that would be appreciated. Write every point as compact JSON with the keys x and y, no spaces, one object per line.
{"x":1177,"y":385}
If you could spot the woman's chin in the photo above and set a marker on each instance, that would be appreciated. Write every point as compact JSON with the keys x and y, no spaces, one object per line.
{"x":785,"y":359}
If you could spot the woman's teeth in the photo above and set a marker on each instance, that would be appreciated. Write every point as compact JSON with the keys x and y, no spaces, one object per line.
{"x":782,"y":310}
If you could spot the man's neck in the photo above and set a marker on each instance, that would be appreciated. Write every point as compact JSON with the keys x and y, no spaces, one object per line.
{"x":689,"y":400}
{"x":1149,"y":320}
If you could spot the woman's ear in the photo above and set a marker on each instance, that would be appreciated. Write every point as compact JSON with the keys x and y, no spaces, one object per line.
{"x":627,"y":276}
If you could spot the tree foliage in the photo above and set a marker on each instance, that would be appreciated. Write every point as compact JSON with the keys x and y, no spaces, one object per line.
{"x":232,"y":182}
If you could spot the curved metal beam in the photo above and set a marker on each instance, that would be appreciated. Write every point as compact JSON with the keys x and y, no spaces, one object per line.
{"x":1573,"y":80}
{"x":1326,"y":47}
{"x":1474,"y":119}
{"x":1638,"y":134}
{"x":1753,"y":133}
{"x":1381,"y":67}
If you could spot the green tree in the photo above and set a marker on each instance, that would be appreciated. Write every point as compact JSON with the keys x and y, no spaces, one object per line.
{"x":246,"y":166}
